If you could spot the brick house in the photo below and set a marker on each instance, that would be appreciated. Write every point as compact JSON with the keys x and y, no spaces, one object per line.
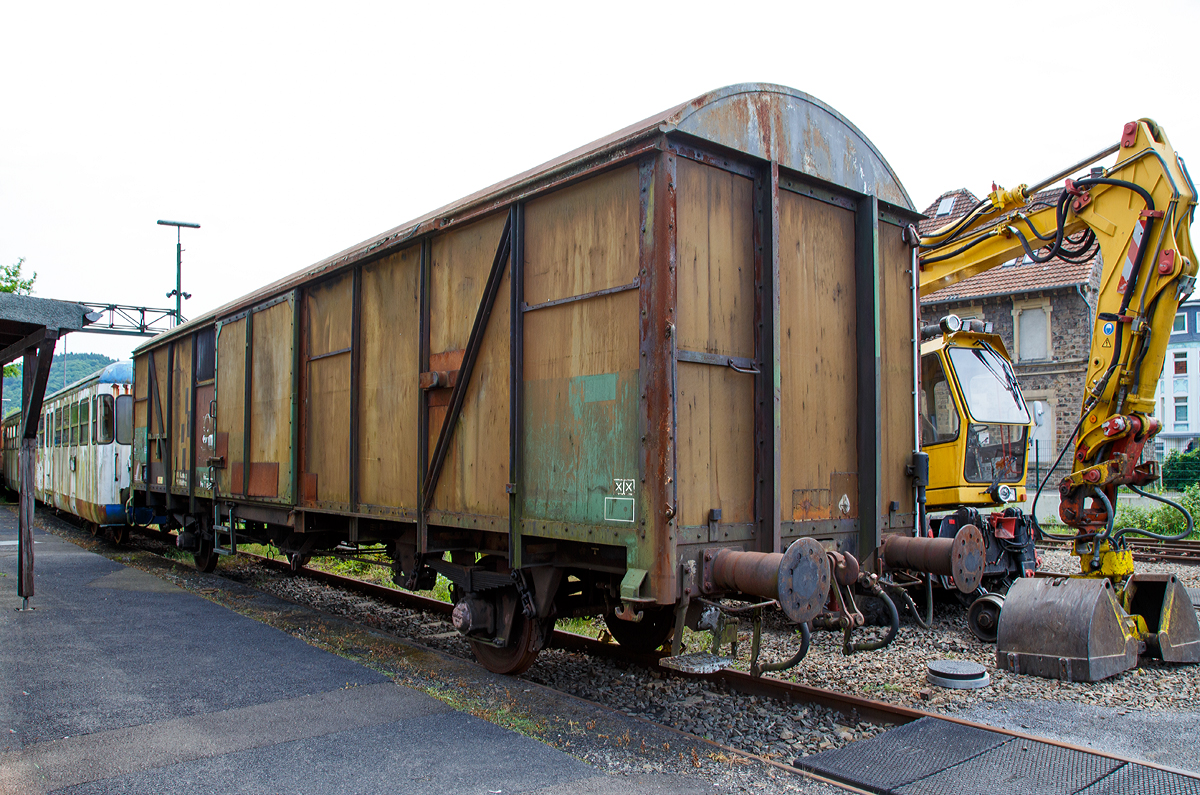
{"x":1043,"y":312}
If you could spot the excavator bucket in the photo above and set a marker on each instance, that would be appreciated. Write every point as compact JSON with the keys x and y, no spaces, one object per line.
{"x":1065,"y":628}
{"x":1173,"y":631}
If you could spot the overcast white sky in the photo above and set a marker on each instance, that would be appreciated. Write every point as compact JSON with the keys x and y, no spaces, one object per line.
{"x":291,"y":131}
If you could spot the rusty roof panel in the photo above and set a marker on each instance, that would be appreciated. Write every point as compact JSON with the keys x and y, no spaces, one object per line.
{"x":763,"y":120}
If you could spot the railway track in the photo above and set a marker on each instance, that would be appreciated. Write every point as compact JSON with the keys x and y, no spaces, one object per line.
{"x":849,"y":705}
{"x":1181,"y":551}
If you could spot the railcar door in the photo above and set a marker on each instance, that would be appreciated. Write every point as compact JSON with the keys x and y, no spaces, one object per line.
{"x":715,"y":355}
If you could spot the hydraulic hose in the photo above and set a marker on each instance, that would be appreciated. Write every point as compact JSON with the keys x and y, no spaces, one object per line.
{"x":927,"y":621}
{"x":874,"y":645}
{"x":1187,"y":531}
{"x":805,"y":640}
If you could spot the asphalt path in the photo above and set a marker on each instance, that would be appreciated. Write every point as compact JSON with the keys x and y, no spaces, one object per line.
{"x":119,"y":681}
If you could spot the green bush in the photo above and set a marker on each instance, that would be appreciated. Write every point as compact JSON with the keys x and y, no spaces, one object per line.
{"x":1162,"y":519}
{"x":1181,"y":470}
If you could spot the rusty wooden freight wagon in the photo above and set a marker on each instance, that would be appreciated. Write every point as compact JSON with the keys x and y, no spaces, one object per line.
{"x":617,"y":383}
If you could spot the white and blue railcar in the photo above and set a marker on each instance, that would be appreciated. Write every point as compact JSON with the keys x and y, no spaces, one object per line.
{"x":83,"y":448}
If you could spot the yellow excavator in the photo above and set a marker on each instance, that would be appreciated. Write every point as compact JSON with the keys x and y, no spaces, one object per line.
{"x":1137,"y":213}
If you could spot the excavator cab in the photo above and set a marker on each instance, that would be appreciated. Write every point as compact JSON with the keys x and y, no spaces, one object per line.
{"x":973,"y":418}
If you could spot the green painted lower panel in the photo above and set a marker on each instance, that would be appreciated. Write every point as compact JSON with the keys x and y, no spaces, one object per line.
{"x":581,"y":451}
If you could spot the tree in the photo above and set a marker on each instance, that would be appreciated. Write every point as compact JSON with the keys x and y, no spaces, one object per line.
{"x":11,"y":282}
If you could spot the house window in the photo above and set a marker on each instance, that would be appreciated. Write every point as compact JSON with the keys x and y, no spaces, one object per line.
{"x":946,"y":207}
{"x":1180,"y":325}
{"x":1181,"y":413}
{"x":1180,"y":362}
{"x":1031,"y":320}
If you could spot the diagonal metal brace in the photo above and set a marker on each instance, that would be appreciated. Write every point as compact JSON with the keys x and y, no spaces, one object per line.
{"x":474,"y":343}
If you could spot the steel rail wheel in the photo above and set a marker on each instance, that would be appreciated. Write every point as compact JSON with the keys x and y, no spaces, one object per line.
{"x":529,"y":636}
{"x":205,"y":556}
{"x":120,"y":533}
{"x":646,"y":635}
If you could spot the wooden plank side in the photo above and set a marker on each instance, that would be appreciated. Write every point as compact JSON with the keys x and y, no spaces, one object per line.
{"x":326,"y":480}
{"x":582,"y":238}
{"x":271,"y":401}
{"x":231,"y":398}
{"x":899,"y":433}
{"x":328,"y":308}
{"x":715,"y":411}
{"x":716,"y":260}
{"x":818,"y":381}
{"x":475,"y":472}
{"x":581,"y":444}
{"x":181,"y":415}
{"x":388,"y":369}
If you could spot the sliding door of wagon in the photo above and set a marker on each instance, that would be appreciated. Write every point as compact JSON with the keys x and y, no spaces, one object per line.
{"x":818,"y":378}
{"x":715,"y":353}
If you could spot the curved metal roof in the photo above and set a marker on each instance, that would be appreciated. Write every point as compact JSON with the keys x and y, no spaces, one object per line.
{"x":764,"y":120}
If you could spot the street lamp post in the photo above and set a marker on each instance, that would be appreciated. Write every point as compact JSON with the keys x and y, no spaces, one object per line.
{"x":178,"y":292}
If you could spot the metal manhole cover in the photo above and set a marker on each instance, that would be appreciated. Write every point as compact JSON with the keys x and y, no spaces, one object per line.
{"x":957,"y":674}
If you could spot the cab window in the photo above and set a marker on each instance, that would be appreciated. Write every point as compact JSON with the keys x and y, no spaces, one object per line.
{"x":125,"y":419}
{"x":939,"y":416}
{"x":84,"y":423}
{"x":105,"y":420}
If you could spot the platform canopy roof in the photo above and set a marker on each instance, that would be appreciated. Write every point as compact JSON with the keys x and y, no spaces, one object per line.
{"x":25,"y":322}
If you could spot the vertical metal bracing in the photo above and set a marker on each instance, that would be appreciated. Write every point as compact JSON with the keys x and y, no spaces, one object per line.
{"x":657,"y":372}
{"x":516,"y":379}
{"x":767,"y":418}
{"x":355,"y":386}
{"x":422,"y":398}
{"x":869,"y":358}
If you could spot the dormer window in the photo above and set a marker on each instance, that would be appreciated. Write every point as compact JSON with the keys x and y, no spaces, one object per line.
{"x":946,"y":207}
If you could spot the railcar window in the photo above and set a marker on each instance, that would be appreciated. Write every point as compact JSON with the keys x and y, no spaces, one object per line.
{"x":84,"y":424}
{"x":105,"y":420}
{"x":74,"y":424}
{"x":58,"y":434}
{"x":41,"y":431}
{"x":206,"y":354}
{"x":125,"y":419}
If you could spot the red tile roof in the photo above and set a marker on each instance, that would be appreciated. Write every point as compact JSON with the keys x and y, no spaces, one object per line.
{"x":1014,"y":277}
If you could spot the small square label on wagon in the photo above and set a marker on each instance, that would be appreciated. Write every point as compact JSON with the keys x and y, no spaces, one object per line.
{"x":618,"y":509}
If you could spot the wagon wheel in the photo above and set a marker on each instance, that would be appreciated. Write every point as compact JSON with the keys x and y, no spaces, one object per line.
{"x":120,"y":533}
{"x":522,"y":650}
{"x":296,"y":561}
{"x":205,"y":556}
{"x":646,"y":635}
{"x":93,"y":528}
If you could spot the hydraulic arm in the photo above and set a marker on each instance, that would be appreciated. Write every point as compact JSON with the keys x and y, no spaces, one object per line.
{"x":1137,"y":215}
